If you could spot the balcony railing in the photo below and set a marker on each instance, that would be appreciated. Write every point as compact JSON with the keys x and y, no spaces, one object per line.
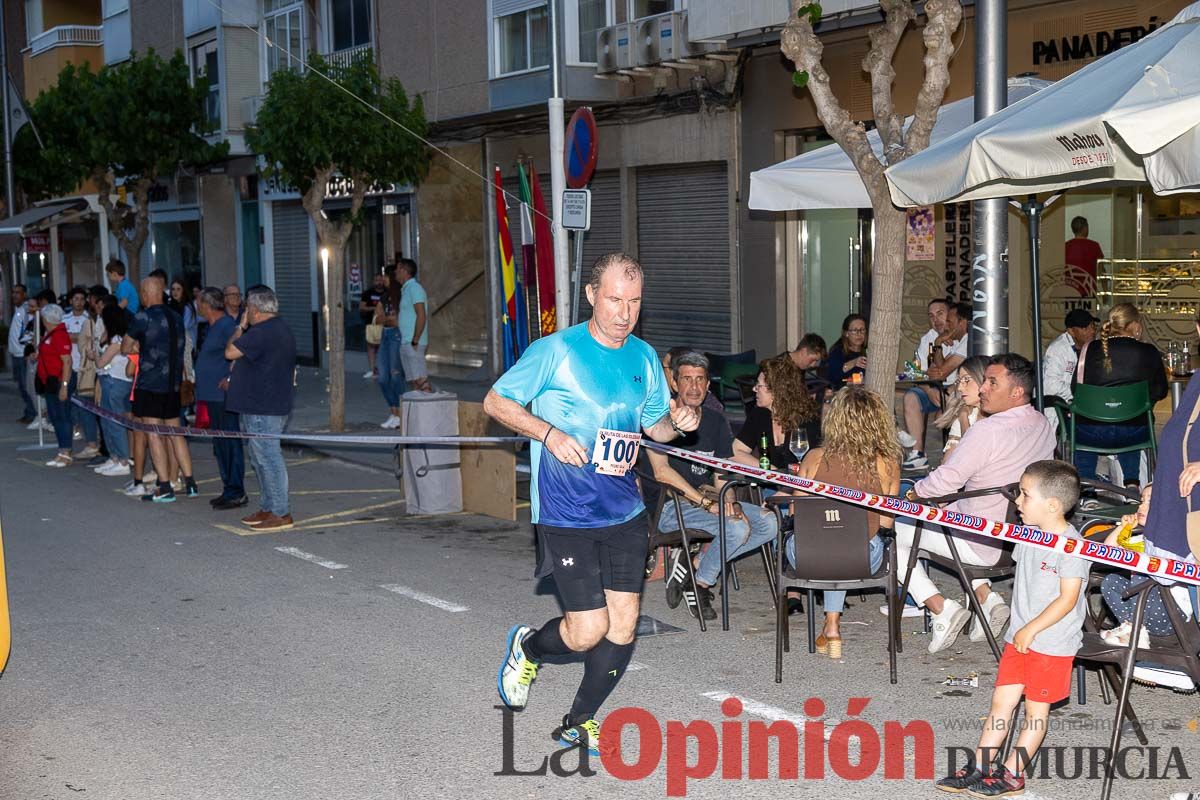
{"x":351,"y":55}
{"x":67,"y":36}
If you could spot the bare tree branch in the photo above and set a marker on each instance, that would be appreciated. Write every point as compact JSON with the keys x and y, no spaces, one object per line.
{"x":897,"y":14}
{"x":800,"y":43}
{"x":942,"y":19}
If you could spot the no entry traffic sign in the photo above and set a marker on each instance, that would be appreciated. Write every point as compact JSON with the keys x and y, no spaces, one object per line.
{"x":579,"y":152}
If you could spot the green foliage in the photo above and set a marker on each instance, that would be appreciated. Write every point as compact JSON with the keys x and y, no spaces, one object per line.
{"x":812,"y":11}
{"x":142,"y":118}
{"x":308,"y":123}
{"x":800,"y":78}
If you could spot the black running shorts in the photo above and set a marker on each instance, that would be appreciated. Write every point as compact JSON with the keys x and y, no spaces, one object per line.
{"x":586,"y":561}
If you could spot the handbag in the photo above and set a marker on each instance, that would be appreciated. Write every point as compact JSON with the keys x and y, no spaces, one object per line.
{"x":187,"y":392}
{"x":85,"y":384}
{"x":374,"y":333}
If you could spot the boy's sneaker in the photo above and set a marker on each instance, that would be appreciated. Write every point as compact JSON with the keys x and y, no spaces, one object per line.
{"x":907,"y":440}
{"x":996,"y":611}
{"x":700,"y":605}
{"x":161,"y":496}
{"x":960,"y":780}
{"x":136,"y":489}
{"x":677,"y":579}
{"x":518,"y":670}
{"x":585,"y":734}
{"x":1001,"y":783}
{"x":916,"y":460}
{"x":947,"y":625}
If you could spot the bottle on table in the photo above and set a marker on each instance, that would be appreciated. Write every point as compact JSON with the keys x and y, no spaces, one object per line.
{"x":764,"y":460}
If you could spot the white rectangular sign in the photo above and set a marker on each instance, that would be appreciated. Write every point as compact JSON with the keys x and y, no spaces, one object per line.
{"x":577,"y":209}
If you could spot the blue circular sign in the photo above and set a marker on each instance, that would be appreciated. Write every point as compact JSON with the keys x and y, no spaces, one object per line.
{"x":580,"y":149}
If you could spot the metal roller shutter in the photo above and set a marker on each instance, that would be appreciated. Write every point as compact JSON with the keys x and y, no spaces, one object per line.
{"x":605,"y":234}
{"x":683,"y":246}
{"x":293,"y":274}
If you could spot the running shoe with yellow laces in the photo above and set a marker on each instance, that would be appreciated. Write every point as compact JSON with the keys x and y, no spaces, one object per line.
{"x":584,"y":734}
{"x":518,"y":670}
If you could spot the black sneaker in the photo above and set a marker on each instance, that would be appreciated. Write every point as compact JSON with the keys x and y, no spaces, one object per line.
{"x":227,"y":503}
{"x":161,"y":496}
{"x":1000,"y":783}
{"x":704,"y":601}
{"x":960,"y":780}
{"x":677,"y":579}
{"x":192,"y":489}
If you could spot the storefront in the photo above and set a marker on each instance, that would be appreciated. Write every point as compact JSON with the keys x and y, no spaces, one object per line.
{"x":385,"y":228}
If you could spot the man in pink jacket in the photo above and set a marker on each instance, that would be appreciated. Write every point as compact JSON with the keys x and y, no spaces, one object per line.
{"x":993,"y":452}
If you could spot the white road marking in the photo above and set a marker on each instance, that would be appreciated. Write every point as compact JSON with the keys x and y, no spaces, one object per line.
{"x":772,"y":713}
{"x":292,"y":551}
{"x":421,"y":597}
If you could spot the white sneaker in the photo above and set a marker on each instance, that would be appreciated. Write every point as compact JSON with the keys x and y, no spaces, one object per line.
{"x":916,"y":460}
{"x":947,"y":625}
{"x":46,"y":426}
{"x":1120,"y":635}
{"x":33,"y":426}
{"x":907,"y":441}
{"x":136,"y":490}
{"x":368,"y":374}
{"x":1158,"y":675}
{"x":101,"y":467}
{"x":58,"y":462}
{"x":909,"y":611}
{"x":114,"y":470}
{"x":392,"y":422}
{"x":996,"y":611}
{"x":77,"y":435}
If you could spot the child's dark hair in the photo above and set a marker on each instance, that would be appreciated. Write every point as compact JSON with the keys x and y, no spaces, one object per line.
{"x":1056,"y":479}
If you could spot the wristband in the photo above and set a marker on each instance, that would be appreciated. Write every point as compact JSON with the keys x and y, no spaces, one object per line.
{"x":678,"y":430}
{"x":547,"y":435}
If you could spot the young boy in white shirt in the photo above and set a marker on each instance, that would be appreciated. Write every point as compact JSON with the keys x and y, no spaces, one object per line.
{"x":1044,"y":633}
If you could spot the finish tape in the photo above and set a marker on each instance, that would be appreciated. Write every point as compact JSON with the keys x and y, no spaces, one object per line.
{"x":336,"y":438}
{"x":1097,"y":552}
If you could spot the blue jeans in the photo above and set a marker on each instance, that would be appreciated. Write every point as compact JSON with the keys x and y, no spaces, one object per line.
{"x":266,"y":456}
{"x":1109,"y":436}
{"x":230,"y":461}
{"x":927,"y":405}
{"x":391,"y":370}
{"x":835,"y":601}
{"x":741,"y":536}
{"x":18,"y":371}
{"x":114,"y":396}
{"x":59,"y":412}
{"x":84,"y":419}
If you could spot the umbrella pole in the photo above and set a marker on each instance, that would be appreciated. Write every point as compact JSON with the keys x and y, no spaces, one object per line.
{"x":1033,"y":213}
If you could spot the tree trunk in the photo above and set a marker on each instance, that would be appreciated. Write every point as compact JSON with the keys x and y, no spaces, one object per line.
{"x":887,"y":297}
{"x":335,"y":300}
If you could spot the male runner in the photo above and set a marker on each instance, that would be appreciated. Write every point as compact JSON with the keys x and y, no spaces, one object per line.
{"x":592,"y":527}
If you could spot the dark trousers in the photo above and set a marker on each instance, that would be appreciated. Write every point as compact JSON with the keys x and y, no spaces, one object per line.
{"x":19,"y":369}
{"x":228,"y":452}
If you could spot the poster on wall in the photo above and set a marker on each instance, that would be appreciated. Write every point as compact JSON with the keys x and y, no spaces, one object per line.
{"x":354,"y":282}
{"x":919,"y":234}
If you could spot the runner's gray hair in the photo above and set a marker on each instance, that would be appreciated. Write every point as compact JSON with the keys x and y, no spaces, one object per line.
{"x":690,"y":358}
{"x":264,"y":300}
{"x":214,"y":297}
{"x":632,"y":268}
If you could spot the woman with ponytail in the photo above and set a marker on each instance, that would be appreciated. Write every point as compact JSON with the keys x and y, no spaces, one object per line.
{"x":1118,"y":357}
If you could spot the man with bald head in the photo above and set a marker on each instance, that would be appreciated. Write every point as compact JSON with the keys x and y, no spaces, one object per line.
{"x":157,"y":335}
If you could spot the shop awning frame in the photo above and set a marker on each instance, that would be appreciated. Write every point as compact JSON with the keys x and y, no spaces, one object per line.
{"x":39,"y":218}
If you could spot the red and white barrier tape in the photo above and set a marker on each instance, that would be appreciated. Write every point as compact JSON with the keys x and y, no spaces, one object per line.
{"x":1097,"y":552}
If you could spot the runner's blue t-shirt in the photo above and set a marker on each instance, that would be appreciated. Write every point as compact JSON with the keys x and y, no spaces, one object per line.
{"x":579,"y":386}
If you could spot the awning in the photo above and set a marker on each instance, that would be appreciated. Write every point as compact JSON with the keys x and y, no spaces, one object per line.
{"x":36,"y":218}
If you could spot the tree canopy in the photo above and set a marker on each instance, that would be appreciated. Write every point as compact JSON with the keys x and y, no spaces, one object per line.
{"x":131,"y":122}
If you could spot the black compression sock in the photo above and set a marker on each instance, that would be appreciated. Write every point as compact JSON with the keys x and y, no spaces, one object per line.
{"x":602,"y":669}
{"x":547,"y":641}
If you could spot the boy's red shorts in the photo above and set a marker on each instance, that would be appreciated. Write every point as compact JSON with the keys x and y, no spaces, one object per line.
{"x":1047,"y":679}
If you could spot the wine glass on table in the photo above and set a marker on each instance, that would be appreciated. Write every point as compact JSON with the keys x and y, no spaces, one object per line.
{"x":798,"y":444}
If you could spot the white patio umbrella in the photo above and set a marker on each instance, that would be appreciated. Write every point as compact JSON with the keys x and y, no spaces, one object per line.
{"x":1129,"y":117}
{"x":826,"y":178}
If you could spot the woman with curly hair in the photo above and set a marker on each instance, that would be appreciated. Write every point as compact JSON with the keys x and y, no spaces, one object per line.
{"x":1118,"y":357}
{"x":784,"y":406}
{"x":860,"y":451}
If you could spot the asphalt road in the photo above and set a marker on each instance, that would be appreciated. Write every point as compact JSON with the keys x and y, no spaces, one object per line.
{"x":159,"y":654}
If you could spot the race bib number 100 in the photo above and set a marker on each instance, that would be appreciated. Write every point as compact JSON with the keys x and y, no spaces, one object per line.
{"x":615,"y":452}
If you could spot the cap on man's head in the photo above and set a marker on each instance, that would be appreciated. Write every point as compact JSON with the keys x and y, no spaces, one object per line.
{"x":1080,"y":318}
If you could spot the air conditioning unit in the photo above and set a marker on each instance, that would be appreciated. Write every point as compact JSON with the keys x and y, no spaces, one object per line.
{"x":670,"y":38}
{"x":615,"y":47}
